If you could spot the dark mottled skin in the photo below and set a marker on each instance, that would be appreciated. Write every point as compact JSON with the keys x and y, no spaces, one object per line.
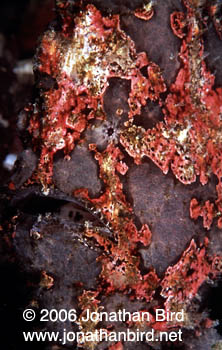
{"x":163,"y":203}
{"x":74,"y":173}
{"x":158,"y":200}
{"x":162,"y":50}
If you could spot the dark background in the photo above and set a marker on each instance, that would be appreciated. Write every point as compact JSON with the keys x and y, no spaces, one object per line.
{"x":21,"y":23}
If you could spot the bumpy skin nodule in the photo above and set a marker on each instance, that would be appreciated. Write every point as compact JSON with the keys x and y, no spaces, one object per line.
{"x":127,"y":132}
